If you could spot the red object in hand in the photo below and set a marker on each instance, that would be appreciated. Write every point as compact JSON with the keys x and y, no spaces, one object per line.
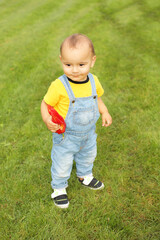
{"x":58,"y":119}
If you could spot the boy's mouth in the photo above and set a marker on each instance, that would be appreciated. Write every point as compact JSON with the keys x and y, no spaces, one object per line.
{"x":75,"y":76}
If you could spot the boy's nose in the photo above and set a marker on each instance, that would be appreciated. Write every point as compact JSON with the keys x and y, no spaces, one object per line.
{"x":75,"y":69}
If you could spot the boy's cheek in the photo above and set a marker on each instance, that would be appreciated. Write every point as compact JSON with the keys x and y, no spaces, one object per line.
{"x":65,"y":70}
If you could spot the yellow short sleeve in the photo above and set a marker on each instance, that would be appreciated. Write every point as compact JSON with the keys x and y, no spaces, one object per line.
{"x":99,"y":87}
{"x":57,"y":97}
{"x":53,"y":94}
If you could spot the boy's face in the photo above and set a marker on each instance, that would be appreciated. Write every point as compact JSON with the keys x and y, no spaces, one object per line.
{"x":77,"y":61}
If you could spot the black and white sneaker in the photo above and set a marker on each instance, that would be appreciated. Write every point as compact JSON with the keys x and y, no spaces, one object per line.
{"x":60,"y":198}
{"x":92,"y":183}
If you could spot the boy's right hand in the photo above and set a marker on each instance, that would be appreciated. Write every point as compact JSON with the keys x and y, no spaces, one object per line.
{"x":53,"y":127}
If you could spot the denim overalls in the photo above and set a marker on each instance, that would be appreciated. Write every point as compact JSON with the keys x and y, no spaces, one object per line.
{"x":79,"y":140}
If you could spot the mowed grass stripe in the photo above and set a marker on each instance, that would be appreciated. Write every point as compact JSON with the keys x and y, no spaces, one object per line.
{"x":141,"y":25}
{"x":26,"y":15}
{"x":7,"y":8}
{"x":33,"y":19}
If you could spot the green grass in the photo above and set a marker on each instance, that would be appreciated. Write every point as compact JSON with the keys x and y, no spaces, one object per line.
{"x":126,"y":35}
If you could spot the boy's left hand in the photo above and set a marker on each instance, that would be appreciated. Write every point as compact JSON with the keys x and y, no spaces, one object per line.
{"x":106,"y":119}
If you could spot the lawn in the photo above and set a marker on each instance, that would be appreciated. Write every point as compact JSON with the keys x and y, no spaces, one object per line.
{"x":126,"y":36}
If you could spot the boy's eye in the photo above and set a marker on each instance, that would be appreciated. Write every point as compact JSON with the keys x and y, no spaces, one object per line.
{"x":68,"y":65}
{"x":81,"y":65}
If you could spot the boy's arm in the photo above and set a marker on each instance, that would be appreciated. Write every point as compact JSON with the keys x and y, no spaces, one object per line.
{"x":47,"y":118}
{"x":106,"y":117}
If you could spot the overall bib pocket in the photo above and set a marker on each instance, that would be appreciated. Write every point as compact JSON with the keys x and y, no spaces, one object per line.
{"x":85,"y":116}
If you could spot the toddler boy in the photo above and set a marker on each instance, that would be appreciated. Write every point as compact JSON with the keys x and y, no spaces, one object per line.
{"x":76,"y":96}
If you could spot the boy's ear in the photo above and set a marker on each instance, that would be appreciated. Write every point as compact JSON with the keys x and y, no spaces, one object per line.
{"x":93,"y":60}
{"x":60,"y":57}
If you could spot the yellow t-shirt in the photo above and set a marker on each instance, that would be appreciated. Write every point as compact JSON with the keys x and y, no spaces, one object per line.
{"x":57,"y":96}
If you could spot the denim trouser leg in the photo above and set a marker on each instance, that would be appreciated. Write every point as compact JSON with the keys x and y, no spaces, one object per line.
{"x":82,"y":149}
{"x":62,"y":161}
{"x":85,"y":157}
{"x":60,"y":171}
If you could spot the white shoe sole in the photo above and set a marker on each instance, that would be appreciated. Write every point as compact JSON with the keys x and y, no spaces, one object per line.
{"x":100,"y":188}
{"x":62,"y":205}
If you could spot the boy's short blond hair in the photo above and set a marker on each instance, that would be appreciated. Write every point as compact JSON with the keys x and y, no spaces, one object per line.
{"x":74,"y":39}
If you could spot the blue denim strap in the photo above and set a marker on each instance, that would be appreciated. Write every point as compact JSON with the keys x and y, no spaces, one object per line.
{"x":68,"y":88}
{"x":91,"y":78}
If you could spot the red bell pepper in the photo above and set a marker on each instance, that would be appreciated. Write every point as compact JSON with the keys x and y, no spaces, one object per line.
{"x":58,"y":119}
